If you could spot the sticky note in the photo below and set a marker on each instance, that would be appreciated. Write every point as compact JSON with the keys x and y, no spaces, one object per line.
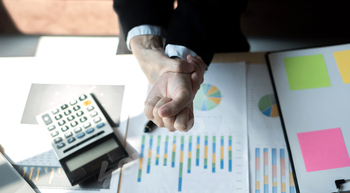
{"x":306,"y":72}
{"x":342,"y":59}
{"x":323,"y":149}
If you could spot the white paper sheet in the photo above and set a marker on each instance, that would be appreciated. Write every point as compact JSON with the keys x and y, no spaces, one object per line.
{"x":269,"y":162}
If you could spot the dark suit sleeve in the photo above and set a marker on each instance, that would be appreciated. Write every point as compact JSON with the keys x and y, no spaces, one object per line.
{"x":132,"y":13}
{"x":208,"y":26}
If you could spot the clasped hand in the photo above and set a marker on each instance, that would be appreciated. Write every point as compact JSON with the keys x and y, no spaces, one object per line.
{"x":174,"y":83}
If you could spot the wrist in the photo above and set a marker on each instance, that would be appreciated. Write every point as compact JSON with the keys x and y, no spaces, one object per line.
{"x":153,"y":42}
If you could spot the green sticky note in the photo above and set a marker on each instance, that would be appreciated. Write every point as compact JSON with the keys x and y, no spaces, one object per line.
{"x":305,"y":72}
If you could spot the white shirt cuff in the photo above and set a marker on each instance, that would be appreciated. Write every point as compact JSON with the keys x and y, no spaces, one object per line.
{"x":180,"y":51}
{"x":145,"y":30}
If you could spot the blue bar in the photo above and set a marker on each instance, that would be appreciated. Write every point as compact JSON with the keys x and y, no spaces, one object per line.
{"x":266,"y":188}
{"x":138,"y":179}
{"x":257,"y":152}
{"x":173,"y":164}
{"x":180,"y":184}
{"x":274,"y":160}
{"x":230,"y":166}
{"x":292,"y":189}
{"x":282,"y":153}
{"x":148,"y":168}
{"x":222,"y":164}
{"x":257,"y":191}
{"x":266,"y":150}
{"x":274,"y":189}
{"x":213,"y":170}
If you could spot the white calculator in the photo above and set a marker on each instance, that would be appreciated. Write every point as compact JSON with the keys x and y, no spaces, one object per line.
{"x":81,"y":137}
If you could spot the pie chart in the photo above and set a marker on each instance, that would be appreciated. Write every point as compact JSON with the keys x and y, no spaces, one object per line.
{"x":268,"y":106}
{"x":208,"y":97}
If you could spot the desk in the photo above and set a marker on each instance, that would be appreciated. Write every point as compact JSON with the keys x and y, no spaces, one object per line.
{"x":22,"y":72}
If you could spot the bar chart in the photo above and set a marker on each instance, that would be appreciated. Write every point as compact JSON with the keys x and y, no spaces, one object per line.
{"x":215,"y":155}
{"x":273,"y":172}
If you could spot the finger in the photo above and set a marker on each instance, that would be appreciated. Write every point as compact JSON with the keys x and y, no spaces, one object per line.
{"x":149,"y":106}
{"x":180,"y":101}
{"x":169,"y":123}
{"x":157,"y":119}
{"x":177,"y":65}
{"x":184,"y":120}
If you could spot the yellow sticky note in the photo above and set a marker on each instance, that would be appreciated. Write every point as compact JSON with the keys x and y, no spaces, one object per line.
{"x":343,"y":61}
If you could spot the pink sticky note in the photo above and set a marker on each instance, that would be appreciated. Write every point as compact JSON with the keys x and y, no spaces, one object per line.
{"x":323,"y":150}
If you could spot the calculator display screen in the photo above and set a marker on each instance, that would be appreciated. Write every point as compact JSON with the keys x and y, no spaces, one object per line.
{"x":90,"y":155}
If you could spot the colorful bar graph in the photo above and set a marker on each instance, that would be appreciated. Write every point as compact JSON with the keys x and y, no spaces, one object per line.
{"x":230,"y":153}
{"x":274,"y":171}
{"x":291,"y":180}
{"x":266,"y":170}
{"x":214,"y":152}
{"x":158,"y":148}
{"x":283,"y":171}
{"x":141,"y":158}
{"x":174,"y":150}
{"x":222,"y":153}
{"x":257,"y":170}
{"x":166,"y":150}
{"x":149,"y":154}
{"x":181,"y":162}
{"x":197,"y":153}
{"x":189,"y":155}
{"x":205,"y":152}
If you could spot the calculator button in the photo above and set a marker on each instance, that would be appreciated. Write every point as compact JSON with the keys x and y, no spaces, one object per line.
{"x":58,"y":117}
{"x":80,"y":113}
{"x":77,"y":130}
{"x":70,"y":118}
{"x":90,"y":108}
{"x":68,"y":135}
{"x":73,"y":102}
{"x":55,"y":111}
{"x":73,"y":124}
{"x":58,"y":139}
{"x":82,"y":97}
{"x":86,"y":103}
{"x":46,"y":118}
{"x":52,"y":127}
{"x":60,"y":145}
{"x":65,"y":128}
{"x":76,"y":108}
{"x":70,"y":140}
{"x":83,"y":119}
{"x":86,"y":125}
{"x":64,"y":106}
{"x":80,"y":135}
{"x":67,"y":112}
{"x":61,"y":122}
{"x":54,"y":134}
{"x":93,"y":114}
{"x":90,"y":130}
{"x":98,"y":119}
{"x":100,"y":125}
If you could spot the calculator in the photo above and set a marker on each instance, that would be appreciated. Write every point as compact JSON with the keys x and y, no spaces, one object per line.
{"x":82,"y":137}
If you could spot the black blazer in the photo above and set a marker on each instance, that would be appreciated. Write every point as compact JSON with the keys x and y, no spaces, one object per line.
{"x":204,"y":26}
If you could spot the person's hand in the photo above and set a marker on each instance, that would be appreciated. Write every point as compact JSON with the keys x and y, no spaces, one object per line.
{"x":169,"y":102}
{"x":150,"y":54}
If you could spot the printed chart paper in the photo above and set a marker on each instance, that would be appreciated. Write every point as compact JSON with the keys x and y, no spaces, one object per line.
{"x":270,"y":171}
{"x":211,"y":157}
